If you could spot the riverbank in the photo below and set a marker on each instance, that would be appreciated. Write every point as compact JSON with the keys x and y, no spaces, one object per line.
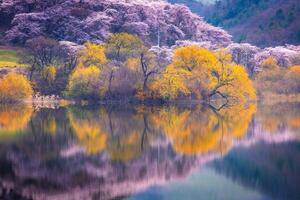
{"x":274,"y":98}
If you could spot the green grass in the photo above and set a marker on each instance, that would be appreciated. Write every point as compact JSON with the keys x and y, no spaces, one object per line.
{"x":10,"y":58}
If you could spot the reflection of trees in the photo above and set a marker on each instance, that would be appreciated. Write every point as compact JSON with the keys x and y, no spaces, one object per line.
{"x":237,"y":119}
{"x":150,"y":144}
{"x":121,"y":133}
{"x":126,"y":130}
{"x":14,"y":119}
{"x":124,"y":135}
{"x":46,"y":133}
{"x":275,"y":117}
{"x":88,"y":131}
{"x":202,"y":131}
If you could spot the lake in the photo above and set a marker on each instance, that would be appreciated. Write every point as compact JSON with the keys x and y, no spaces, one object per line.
{"x":179,"y":152}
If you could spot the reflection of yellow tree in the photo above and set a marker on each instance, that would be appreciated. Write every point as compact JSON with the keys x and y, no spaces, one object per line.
{"x":194,"y":132}
{"x":89,"y":132}
{"x":120,"y":134}
{"x":189,"y":135}
{"x":272,"y":117}
{"x":14,"y":119}
{"x":50,"y":125}
{"x":125,"y":135}
{"x":129,"y":135}
{"x":126,"y":147}
{"x":270,"y":124}
{"x":294,"y":122}
{"x":237,"y":119}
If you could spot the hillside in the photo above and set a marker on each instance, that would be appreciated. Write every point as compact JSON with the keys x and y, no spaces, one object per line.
{"x":94,"y":20}
{"x":260,"y":22}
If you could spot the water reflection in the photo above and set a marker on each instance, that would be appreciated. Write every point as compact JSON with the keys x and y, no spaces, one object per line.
{"x":274,"y":118}
{"x":202,"y":130}
{"x":190,"y":131}
{"x":117,"y":151}
{"x":13,"y":120}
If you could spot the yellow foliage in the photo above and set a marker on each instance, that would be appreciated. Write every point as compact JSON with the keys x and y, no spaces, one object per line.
{"x":89,"y":134}
{"x":294,"y":122}
{"x":194,"y":58}
{"x":85,"y":82}
{"x":199,"y":62}
{"x":121,"y":46}
{"x":10,"y":58}
{"x":295,"y":69}
{"x":237,"y":119}
{"x":126,"y":147}
{"x":11,"y":64}
{"x":212,"y":73}
{"x":279,"y":81}
{"x":14,"y":88}
{"x":269,"y":63}
{"x":92,"y":55}
{"x":188,"y":136}
{"x":293,"y":75}
{"x":98,"y":131}
{"x":14,"y":119}
{"x":190,"y":131}
{"x":132,"y":64}
{"x":171,"y":83}
{"x":240,"y":86}
{"x":142,"y":95}
{"x":49,"y":73}
{"x":193,"y":132}
{"x":50,"y":126}
{"x":223,"y":56}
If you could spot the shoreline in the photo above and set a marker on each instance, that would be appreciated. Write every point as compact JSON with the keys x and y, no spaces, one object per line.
{"x":47,"y":102}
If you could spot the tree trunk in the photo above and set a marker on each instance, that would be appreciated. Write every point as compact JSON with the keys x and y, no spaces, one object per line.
{"x":31,"y":72}
{"x":110,"y":82}
{"x":145,"y":84}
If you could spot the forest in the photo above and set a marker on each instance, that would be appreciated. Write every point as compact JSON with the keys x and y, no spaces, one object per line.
{"x":124,"y":68}
{"x":124,"y":51}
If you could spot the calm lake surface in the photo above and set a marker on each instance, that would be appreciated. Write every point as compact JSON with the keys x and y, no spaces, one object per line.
{"x":122,"y":152}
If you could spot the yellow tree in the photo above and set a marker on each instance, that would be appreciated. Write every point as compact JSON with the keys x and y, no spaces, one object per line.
{"x":193,"y":58}
{"x":49,"y":73}
{"x":213,"y":74}
{"x":269,"y":63}
{"x":271,"y":76}
{"x":121,"y":46}
{"x":171,"y":83}
{"x":92,"y":54}
{"x":118,"y":48}
{"x":229,"y":80}
{"x":198,"y":62}
{"x":86,"y":83}
{"x":14,"y":88}
{"x":129,"y":49}
{"x":145,"y":66}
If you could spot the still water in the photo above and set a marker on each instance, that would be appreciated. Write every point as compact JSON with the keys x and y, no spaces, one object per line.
{"x":120,"y":152}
